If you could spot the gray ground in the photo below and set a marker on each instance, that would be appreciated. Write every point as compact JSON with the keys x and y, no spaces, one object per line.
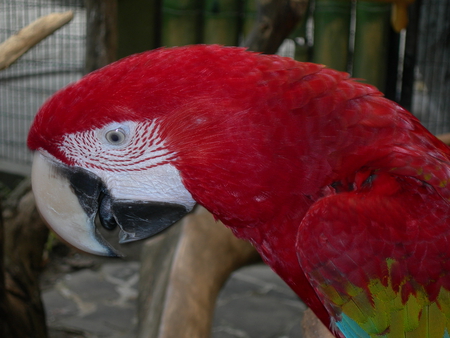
{"x":85,"y":296}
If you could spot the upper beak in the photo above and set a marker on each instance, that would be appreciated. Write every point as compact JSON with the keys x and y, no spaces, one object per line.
{"x":70,"y":198}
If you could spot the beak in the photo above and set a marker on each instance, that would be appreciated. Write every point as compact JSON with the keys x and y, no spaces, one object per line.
{"x":70,"y":199}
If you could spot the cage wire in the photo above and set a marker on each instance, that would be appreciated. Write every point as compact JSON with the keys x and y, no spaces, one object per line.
{"x":59,"y":60}
{"x":47,"y":67}
{"x":431,"y":96}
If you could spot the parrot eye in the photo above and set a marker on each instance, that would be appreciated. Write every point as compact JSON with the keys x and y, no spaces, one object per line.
{"x":115,"y":137}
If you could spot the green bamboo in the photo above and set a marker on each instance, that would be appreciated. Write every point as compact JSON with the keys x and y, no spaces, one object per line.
{"x":221,"y":22}
{"x":371,"y":42}
{"x":182,"y":22}
{"x":250,"y":13}
{"x":136,"y":26}
{"x":331,"y":33}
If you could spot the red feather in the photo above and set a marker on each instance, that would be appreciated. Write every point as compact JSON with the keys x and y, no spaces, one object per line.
{"x":263,"y":140}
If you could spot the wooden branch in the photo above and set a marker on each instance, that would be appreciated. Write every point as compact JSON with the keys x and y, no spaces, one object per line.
{"x":18,"y":44}
{"x":276,"y":20}
{"x":182,"y":272}
{"x":313,"y":326}
{"x":444,"y":138}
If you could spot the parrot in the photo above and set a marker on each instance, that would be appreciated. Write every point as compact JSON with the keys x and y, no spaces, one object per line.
{"x":343,"y":193}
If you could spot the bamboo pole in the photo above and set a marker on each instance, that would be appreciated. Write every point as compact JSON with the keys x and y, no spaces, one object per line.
{"x":371,"y":41}
{"x":331,"y":33}
{"x":248,"y":17}
{"x":222,"y":22}
{"x":182,"y":22}
{"x":18,"y":44}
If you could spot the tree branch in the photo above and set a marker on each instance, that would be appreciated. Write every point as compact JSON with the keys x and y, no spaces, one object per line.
{"x":18,"y":44}
{"x":276,"y":20}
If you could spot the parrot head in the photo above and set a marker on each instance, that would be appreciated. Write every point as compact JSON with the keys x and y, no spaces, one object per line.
{"x":139,"y":142}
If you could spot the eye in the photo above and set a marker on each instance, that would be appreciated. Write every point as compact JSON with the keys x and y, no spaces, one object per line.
{"x":115,"y":137}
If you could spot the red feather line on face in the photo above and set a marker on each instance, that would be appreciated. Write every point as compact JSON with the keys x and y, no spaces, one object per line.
{"x":145,"y":149}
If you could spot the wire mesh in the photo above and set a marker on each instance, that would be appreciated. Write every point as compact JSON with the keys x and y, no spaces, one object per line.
{"x":59,"y":60}
{"x":431,"y":97}
{"x":47,"y":67}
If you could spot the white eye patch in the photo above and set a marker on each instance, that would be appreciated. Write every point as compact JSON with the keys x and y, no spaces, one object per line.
{"x":118,"y":147}
{"x":132,"y":160}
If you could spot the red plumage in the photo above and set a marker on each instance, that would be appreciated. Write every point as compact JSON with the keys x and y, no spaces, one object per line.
{"x":261,"y":141}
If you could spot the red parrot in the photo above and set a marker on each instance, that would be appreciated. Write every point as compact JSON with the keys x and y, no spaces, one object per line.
{"x":343,"y":192}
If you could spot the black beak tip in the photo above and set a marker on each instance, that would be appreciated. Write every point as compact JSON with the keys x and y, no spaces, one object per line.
{"x":139,"y":220}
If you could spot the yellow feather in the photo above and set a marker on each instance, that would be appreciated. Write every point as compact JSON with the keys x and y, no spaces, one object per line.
{"x":444,"y":302}
{"x":363,"y":303}
{"x":420,"y":330}
{"x":436,"y":321}
{"x":411,"y":314}
{"x":354,"y":312}
{"x":397,"y":328}
{"x":384,"y":315}
{"x":331,"y":293}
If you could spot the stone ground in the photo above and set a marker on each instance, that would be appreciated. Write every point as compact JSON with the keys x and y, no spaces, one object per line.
{"x":87,"y":296}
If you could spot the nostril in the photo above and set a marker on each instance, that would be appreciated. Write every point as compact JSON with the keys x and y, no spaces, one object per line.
{"x":105,"y":211}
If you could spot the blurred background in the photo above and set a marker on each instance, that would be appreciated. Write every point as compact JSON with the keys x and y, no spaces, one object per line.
{"x":410,"y":66}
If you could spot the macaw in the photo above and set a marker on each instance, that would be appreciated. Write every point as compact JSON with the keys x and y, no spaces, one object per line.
{"x":343,"y":192}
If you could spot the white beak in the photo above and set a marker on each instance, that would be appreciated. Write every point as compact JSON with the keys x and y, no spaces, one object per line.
{"x":70,"y":198}
{"x":61,"y":209}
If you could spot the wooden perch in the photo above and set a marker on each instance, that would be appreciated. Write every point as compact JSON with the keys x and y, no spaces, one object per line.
{"x":444,"y":138}
{"x":313,"y":327}
{"x":182,"y":272}
{"x":18,"y":44}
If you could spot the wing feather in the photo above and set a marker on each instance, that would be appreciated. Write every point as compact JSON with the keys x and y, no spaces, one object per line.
{"x":399,"y":291}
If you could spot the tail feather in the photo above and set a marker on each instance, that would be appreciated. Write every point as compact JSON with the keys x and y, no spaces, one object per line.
{"x":350,"y":328}
{"x":431,"y":325}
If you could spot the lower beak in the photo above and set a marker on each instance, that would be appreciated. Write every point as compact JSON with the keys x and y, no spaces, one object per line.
{"x":70,"y":198}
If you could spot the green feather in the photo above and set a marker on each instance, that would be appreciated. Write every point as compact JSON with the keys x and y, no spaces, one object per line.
{"x":380,"y":312}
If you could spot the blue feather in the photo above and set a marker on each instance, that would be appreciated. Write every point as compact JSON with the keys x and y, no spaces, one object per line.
{"x":350,"y":328}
